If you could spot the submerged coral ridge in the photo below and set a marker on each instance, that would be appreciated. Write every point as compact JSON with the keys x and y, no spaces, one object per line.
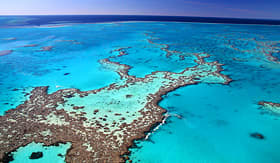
{"x":100,"y":124}
{"x":270,"y":106}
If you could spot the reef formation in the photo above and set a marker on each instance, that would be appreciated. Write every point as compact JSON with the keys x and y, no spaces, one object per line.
{"x":101,"y":124}
{"x":5,"y":52}
{"x":270,"y":106}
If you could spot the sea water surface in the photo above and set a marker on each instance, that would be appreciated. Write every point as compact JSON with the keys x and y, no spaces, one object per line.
{"x":216,"y":120}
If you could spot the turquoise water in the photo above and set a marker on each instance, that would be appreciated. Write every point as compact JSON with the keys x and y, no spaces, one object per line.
{"x":50,"y":153}
{"x":217,"y":120}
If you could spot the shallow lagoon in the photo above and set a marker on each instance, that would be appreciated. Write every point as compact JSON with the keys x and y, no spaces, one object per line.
{"x":50,"y":153}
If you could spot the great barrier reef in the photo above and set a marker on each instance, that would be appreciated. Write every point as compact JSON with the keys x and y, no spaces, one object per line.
{"x":139,"y":89}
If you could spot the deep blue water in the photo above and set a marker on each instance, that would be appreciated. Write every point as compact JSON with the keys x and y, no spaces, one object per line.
{"x":56,"y":19}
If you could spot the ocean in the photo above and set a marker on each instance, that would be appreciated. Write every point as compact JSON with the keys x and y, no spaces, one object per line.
{"x":208,"y":121}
